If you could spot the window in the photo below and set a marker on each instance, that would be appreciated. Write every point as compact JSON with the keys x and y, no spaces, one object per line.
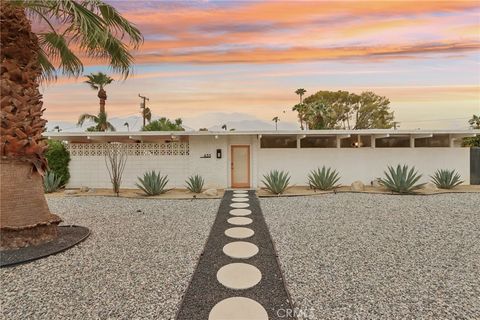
{"x":278,"y":142}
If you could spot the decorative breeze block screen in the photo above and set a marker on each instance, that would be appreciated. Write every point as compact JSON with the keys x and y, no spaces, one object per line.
{"x":131,"y":149}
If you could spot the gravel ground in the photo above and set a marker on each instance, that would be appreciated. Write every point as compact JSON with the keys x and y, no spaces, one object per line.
{"x":134,"y":265}
{"x":360,"y":256}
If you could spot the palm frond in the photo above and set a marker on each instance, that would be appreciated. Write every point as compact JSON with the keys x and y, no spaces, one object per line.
{"x":55,"y":46}
{"x":94,"y":26}
{"x":87,"y":117}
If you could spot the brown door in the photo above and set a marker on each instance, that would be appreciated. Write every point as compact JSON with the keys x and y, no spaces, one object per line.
{"x":240,"y":166}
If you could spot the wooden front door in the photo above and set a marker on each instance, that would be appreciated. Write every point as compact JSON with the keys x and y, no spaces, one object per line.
{"x":240,"y":166}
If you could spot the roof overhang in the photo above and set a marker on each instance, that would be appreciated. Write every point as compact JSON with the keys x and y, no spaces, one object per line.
{"x":153,"y":136}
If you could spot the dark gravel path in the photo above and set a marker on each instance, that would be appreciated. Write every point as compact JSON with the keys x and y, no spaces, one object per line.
{"x":204,"y":291}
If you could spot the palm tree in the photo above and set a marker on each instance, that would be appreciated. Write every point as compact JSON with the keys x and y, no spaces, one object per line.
{"x":301,"y":109}
{"x":276,"y":119}
{"x":300,"y":92}
{"x":224,"y":127}
{"x":127,"y":125}
{"x":101,"y":122}
{"x":98,"y":81}
{"x":96,"y":30}
{"x":474,"y":122}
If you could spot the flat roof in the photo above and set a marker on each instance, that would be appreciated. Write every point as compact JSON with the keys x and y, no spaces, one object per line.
{"x":153,"y":135}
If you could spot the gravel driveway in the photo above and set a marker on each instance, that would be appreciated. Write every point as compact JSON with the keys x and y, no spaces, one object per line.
{"x":360,"y":256}
{"x":134,"y":265}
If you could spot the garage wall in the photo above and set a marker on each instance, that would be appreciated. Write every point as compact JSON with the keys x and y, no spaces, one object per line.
{"x":364,"y":164}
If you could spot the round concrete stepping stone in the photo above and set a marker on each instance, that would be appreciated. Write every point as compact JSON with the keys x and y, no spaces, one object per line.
{"x":239,"y":205}
{"x":240,"y":249}
{"x":239,"y":232}
{"x":240,"y":212}
{"x":240,"y":195}
{"x":239,"y":275}
{"x":240,"y":199}
{"x":239,"y":221}
{"x":240,"y":191}
{"x":238,"y":308}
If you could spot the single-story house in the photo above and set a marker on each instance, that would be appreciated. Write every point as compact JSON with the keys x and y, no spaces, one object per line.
{"x":239,"y":159}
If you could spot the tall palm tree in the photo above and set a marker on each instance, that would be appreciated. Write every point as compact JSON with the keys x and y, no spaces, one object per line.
{"x":98,"y":31}
{"x":301,"y":109}
{"x":301,"y":92}
{"x":98,"y":81}
{"x":276,"y":119}
{"x":101,"y":122}
{"x":127,"y":125}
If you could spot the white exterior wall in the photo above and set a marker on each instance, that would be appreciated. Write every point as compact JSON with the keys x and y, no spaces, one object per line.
{"x":364,"y":164}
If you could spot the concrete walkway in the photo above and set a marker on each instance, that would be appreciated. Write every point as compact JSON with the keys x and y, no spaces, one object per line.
{"x":237,"y":276}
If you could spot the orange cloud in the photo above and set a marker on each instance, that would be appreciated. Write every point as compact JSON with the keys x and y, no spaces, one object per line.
{"x":265,"y":55}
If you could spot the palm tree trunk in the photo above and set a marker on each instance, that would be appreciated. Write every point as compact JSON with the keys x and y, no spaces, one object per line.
{"x":24,"y":215}
{"x":102,"y":95}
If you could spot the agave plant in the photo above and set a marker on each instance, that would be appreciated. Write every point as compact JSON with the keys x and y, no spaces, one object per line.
{"x":446,"y":179}
{"x":323,"y":179}
{"x":195,"y":183}
{"x":152,"y":183}
{"x":276,"y":181}
{"x":51,"y":182}
{"x":401,"y":179}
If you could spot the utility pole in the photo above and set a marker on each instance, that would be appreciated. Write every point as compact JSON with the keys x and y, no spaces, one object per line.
{"x":143,"y":106}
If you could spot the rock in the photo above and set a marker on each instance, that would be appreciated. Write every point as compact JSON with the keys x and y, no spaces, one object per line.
{"x":358,"y":186}
{"x":210,"y":192}
{"x":91,"y":190}
{"x":68,"y":192}
{"x":429,"y":186}
{"x":84,"y":189}
{"x":376,"y":183}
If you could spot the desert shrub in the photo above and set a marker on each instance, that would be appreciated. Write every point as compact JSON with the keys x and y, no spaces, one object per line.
{"x":276,"y":181}
{"x":195,"y":183}
{"x":323,"y":179}
{"x":446,"y":179}
{"x":401,"y":179}
{"x":115,"y":160}
{"x":58,"y":159}
{"x":152,"y":183}
{"x":51,"y":181}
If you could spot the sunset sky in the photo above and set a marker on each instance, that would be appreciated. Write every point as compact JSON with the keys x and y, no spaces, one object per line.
{"x":210,"y":62}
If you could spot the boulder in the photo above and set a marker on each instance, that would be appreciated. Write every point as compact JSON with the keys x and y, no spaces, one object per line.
{"x":376,"y":183}
{"x":69,"y":192}
{"x":210,"y":192}
{"x":84,"y":189}
{"x":358,"y":186}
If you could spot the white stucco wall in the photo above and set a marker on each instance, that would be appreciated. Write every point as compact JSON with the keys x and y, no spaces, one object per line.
{"x":363,"y":164}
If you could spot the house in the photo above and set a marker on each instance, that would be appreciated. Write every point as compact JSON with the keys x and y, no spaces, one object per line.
{"x":240,"y":159}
